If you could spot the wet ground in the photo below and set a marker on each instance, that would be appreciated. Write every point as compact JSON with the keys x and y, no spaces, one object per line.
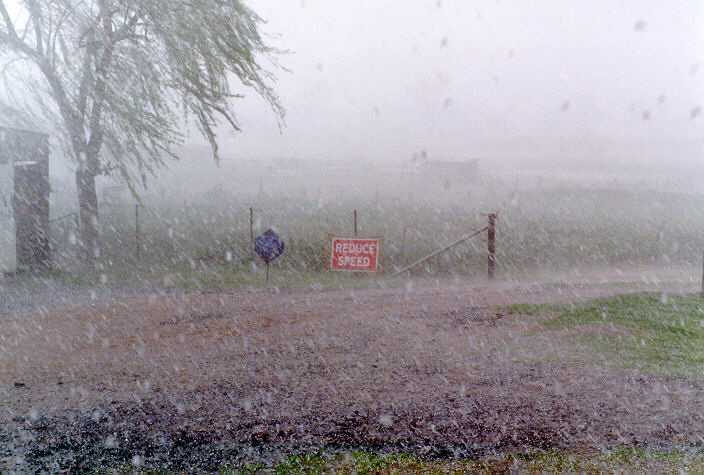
{"x":190,"y":379}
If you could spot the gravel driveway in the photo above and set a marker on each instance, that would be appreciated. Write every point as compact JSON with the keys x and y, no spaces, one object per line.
{"x":188,"y":380}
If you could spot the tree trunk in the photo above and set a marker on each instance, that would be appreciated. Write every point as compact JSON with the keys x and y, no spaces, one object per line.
{"x":88,"y":213}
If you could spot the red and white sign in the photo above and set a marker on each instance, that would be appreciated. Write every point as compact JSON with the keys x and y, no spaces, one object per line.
{"x":358,"y":254}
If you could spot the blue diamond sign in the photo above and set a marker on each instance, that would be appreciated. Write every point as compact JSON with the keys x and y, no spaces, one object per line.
{"x":268,"y":246}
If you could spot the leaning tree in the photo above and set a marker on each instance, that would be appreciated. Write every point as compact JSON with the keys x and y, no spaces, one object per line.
{"x":122,"y":79}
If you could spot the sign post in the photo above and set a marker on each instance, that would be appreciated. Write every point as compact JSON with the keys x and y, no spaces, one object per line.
{"x":268,"y":246}
{"x":355,"y":223}
{"x":354,"y":253}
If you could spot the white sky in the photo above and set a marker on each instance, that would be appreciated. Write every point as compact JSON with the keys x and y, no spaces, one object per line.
{"x":386,"y":78}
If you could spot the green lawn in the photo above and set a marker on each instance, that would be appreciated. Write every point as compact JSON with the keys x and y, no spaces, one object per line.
{"x":618,"y":459}
{"x":643,"y":330}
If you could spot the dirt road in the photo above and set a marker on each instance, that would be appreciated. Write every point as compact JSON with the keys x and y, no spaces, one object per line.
{"x":186,"y":379}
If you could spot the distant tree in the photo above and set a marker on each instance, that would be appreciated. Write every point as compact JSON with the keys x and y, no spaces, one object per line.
{"x":121,"y":79}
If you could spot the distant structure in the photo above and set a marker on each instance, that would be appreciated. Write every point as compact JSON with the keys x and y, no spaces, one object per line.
{"x":112,"y":194}
{"x":451,"y":173}
{"x":24,"y":201}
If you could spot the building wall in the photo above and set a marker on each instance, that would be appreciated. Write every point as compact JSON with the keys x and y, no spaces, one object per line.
{"x":30,"y":153}
{"x":8,"y":254}
{"x":24,"y":201}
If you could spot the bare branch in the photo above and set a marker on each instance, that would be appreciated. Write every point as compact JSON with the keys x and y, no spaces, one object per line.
{"x":36,"y":16}
{"x":14,"y":39}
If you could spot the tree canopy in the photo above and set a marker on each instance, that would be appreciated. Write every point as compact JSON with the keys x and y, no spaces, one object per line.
{"x":121,"y":78}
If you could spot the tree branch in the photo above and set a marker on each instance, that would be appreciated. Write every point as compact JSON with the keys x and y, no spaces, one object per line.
{"x":36,"y":15}
{"x":102,"y":69}
{"x":96,"y":126}
{"x":12,"y":32}
{"x":85,"y":80}
{"x":126,"y":30}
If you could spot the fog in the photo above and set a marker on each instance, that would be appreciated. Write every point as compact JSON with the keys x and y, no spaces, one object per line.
{"x":383,"y":80}
{"x":600,"y":85}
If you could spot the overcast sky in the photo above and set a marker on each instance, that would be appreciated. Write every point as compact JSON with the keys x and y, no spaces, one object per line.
{"x":386,"y":78}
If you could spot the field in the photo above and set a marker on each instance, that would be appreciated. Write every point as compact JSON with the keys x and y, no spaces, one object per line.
{"x":199,"y":236}
{"x":174,"y":354}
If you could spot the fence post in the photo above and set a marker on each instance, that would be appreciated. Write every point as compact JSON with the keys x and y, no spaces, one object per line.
{"x":491,"y":245}
{"x":251,"y":230}
{"x":355,"y":223}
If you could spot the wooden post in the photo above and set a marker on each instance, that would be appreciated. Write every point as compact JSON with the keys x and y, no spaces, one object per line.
{"x":136,"y":227}
{"x":355,"y":232}
{"x":702,"y":278}
{"x":491,"y":245}
{"x":355,"y":223}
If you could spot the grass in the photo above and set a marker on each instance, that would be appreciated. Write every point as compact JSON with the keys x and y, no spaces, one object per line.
{"x":253,"y":277}
{"x":642,"y":330}
{"x":616,"y":459}
{"x":619,"y":458}
{"x":540,"y":229}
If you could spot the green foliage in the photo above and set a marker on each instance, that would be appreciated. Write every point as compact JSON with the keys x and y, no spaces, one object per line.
{"x":117,"y":77}
{"x":609,"y":460}
{"x":614,"y":459}
{"x":120,"y":80}
{"x":658,"y":331}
